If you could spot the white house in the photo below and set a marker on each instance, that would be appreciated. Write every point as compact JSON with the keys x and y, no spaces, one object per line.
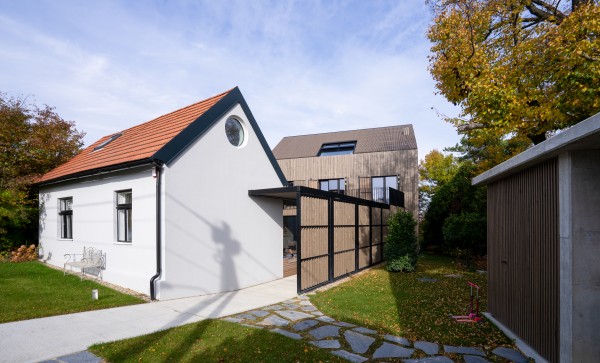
{"x":168,"y":202}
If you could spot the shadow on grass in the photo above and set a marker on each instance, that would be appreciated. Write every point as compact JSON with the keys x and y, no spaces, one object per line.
{"x":212,"y":340}
{"x":426,"y":298}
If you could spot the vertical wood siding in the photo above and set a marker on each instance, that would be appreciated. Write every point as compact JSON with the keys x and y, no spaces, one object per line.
{"x":322,"y":261}
{"x":403,"y":163}
{"x":523,"y":256}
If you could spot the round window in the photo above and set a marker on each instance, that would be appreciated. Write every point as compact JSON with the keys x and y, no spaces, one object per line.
{"x":234,"y":131}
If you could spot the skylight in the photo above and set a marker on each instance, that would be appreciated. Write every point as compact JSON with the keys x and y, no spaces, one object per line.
{"x":338,"y":148}
{"x":110,"y":139}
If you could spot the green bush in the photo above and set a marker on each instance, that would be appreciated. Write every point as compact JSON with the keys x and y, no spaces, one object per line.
{"x":466,"y":232}
{"x":401,"y":247}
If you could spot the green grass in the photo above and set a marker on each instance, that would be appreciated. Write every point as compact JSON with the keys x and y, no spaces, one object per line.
{"x":31,"y":290}
{"x":399,"y":304}
{"x":212,"y":341}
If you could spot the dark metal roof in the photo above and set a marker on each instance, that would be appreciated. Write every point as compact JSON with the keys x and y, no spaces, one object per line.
{"x":391,"y":138}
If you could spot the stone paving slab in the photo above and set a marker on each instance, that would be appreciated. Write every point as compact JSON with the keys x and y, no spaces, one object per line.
{"x":259,"y":313}
{"x":436,"y":359}
{"x":510,"y":354}
{"x":245,"y":316}
{"x":294,"y":315}
{"x":288,"y":334}
{"x":395,"y":339}
{"x":344,"y":324}
{"x":273,"y":307}
{"x":358,"y":342}
{"x":388,"y":350}
{"x":475,"y":359}
{"x":305,"y":324}
{"x":365,"y":330}
{"x":427,"y":279}
{"x":274,"y":320}
{"x":328,"y":344}
{"x":79,"y":357}
{"x":464,"y":350}
{"x":355,"y":358}
{"x":427,"y":347}
{"x":325,"y":331}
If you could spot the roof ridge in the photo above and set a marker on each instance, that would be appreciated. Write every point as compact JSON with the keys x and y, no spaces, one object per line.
{"x":167,"y":114}
{"x":336,"y":132}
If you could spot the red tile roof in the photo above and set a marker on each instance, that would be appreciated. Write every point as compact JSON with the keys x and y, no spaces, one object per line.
{"x":137,"y":143}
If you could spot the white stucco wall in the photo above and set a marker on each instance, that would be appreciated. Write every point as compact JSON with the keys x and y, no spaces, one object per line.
{"x":129,"y":265}
{"x":217,"y":238}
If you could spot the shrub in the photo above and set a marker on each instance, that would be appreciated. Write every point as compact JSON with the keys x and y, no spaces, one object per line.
{"x":465,"y":234}
{"x":401,"y":247}
{"x":24,"y":253}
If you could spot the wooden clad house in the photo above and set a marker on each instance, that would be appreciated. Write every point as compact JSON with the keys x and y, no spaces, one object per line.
{"x":360,"y":163}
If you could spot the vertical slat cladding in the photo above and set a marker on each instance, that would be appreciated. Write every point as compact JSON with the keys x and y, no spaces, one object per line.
{"x":314,"y":242}
{"x":403,"y":163}
{"x":363,"y":236}
{"x":343,"y":238}
{"x":343,"y":213}
{"x":314,"y":224}
{"x":364,"y":256}
{"x":344,"y":263}
{"x":363,"y":215}
{"x":523,"y":255}
{"x":314,"y":272}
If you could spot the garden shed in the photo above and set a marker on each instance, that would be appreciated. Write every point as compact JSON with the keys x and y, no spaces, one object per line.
{"x":167,"y":202}
{"x":544,"y":244}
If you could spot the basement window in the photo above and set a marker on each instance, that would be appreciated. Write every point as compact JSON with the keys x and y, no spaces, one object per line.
{"x":110,"y":139}
{"x":338,"y":148}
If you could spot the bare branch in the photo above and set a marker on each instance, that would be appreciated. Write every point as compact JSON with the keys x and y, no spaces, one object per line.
{"x":588,"y":57}
{"x":469,"y":125}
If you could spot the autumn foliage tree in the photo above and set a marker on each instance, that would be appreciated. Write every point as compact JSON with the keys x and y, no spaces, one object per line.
{"x":519,"y":69}
{"x":33,"y":140}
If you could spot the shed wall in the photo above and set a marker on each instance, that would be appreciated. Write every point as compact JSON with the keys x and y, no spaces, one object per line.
{"x":523,"y":256}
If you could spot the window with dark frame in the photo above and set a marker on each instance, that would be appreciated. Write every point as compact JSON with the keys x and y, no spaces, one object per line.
{"x":333,"y":185}
{"x":338,"y":148}
{"x":124,"y":216}
{"x":381,"y":185}
{"x":65,"y":215}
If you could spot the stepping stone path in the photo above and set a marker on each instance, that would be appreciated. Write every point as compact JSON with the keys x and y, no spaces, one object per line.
{"x":299,"y":319}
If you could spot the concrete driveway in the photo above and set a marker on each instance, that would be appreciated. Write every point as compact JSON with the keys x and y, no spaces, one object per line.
{"x":40,"y":339}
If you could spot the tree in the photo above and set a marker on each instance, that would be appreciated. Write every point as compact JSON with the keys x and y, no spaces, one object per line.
{"x":435,"y":170}
{"x":453,"y":198}
{"x":33,"y":140}
{"x":517,"y":68}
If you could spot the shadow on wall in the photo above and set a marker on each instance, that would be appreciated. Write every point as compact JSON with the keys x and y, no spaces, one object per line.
{"x":229,"y":246}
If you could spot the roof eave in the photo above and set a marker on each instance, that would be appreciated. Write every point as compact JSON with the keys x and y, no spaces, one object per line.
{"x":98,"y":171}
{"x":550,"y":148}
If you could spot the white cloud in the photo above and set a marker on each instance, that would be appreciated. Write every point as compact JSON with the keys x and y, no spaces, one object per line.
{"x":304,"y":67}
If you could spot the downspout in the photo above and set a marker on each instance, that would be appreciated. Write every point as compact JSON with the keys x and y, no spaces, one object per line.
{"x":157,"y":175}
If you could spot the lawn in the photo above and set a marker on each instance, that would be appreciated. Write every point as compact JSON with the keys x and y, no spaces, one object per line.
{"x":212,"y":341}
{"x":399,"y":304}
{"x":31,"y":290}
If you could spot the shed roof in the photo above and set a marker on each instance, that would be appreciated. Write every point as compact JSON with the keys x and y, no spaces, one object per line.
{"x":159,"y":140}
{"x":391,"y":138}
{"x":582,"y":136}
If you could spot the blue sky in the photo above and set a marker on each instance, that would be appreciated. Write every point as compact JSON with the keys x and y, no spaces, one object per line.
{"x":303,"y":66}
